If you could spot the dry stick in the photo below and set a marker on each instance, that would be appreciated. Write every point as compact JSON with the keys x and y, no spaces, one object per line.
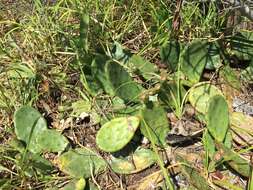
{"x":176,"y":18}
{"x":244,"y":8}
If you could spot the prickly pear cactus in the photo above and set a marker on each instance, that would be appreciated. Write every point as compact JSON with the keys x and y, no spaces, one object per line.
{"x":218,"y":117}
{"x":193,"y":60}
{"x":77,"y":184}
{"x":157,"y":123}
{"x":81,"y":162}
{"x":115,"y":134}
{"x":138,"y":161}
{"x":31,"y":128}
{"x":200,"y":95}
{"x":29,"y":124}
{"x":122,"y":83}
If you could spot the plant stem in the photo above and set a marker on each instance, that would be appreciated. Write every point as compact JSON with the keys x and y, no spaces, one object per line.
{"x":159,"y":160}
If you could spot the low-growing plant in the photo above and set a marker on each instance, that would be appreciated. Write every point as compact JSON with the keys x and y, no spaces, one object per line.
{"x":119,"y":67}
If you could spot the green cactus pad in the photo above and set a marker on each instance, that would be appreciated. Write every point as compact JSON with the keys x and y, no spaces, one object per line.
{"x":234,"y":160}
{"x":138,"y":161}
{"x":115,"y":134}
{"x":218,"y":117}
{"x":122,"y":83}
{"x":193,"y":60}
{"x":77,"y":184}
{"x":52,"y":141}
{"x":146,"y":69}
{"x":157,"y":124}
{"x":29,"y":123}
{"x":81,"y":162}
{"x":200,"y":95}
{"x":31,"y":128}
{"x":192,"y":174}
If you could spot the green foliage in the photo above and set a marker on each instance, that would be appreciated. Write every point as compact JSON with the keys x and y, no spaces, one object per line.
{"x":81,"y":162}
{"x":38,"y":162}
{"x":119,"y":53}
{"x":241,"y":45}
{"x":228,"y":141}
{"x":170,"y":54}
{"x":193,"y":59}
{"x":230,"y":77}
{"x":213,"y":60}
{"x":227,"y":184}
{"x":30,"y":164}
{"x":247,"y":74}
{"x":19,"y":70}
{"x":250,"y":180}
{"x":84,"y":29}
{"x":91,"y":186}
{"x":196,"y":180}
{"x":218,"y":117}
{"x":28,"y":123}
{"x":84,"y":107}
{"x":115,"y":134}
{"x":80,"y":106}
{"x":75,"y":184}
{"x":200,"y":95}
{"x":209,"y":145}
{"x":98,"y":50}
{"x":172,"y":94}
{"x":157,"y":123}
{"x":121,"y":82}
{"x":31,"y":128}
{"x":142,"y":67}
{"x":99,"y":74}
{"x":233,"y":159}
{"x":52,"y":141}
{"x":136,"y":162}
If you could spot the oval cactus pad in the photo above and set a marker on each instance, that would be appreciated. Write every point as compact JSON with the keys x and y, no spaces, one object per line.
{"x":136,"y":162}
{"x":200,"y":95}
{"x":115,"y":134}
